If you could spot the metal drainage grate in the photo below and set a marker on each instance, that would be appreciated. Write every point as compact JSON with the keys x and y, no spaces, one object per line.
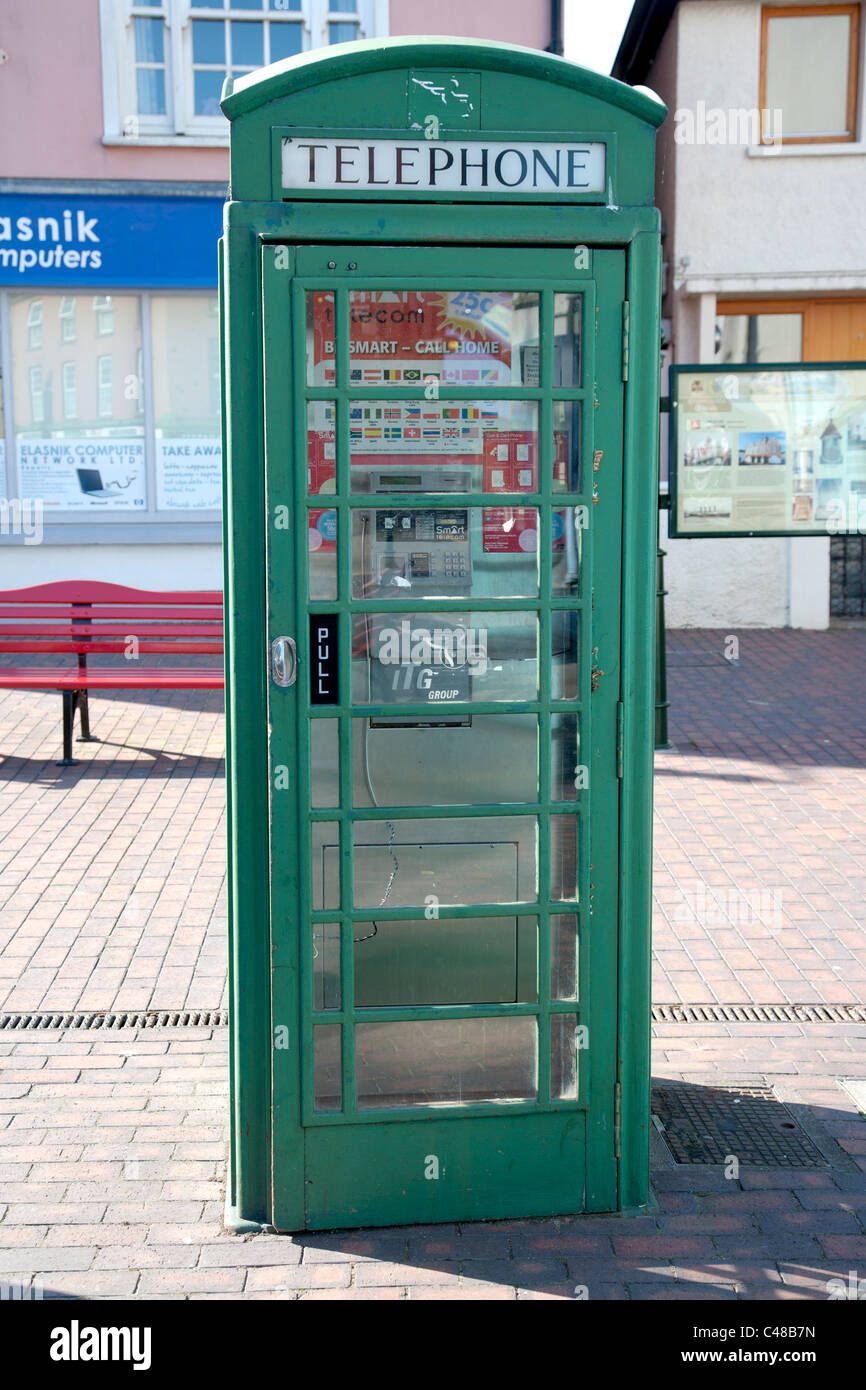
{"x":759,"y":1013}
{"x":709,"y":1124}
{"x":147,"y":1018}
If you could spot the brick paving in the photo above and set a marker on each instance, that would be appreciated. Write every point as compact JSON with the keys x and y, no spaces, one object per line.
{"x":112,"y":1146}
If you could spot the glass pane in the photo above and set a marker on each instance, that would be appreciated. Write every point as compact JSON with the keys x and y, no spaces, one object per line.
{"x":565,"y":672}
{"x":322,"y":546}
{"x":486,"y":760}
{"x":320,"y":338}
{"x":321,"y":448}
{"x":461,"y":338}
{"x":286,"y":41}
{"x":567,"y":775}
{"x":343,"y":33}
{"x":443,"y":446}
{"x":563,"y":956}
{"x":248,"y":44}
{"x":327,"y":1067}
{"x":566,"y":446}
{"x":743,"y":338}
{"x":150,"y":91}
{"x":568,"y":527}
{"x":209,"y":41}
{"x":564,"y":857}
{"x":325,"y":837}
{"x":445,"y":862}
{"x":149,"y":35}
{"x":324,"y":762}
{"x":326,"y":966}
{"x":473,"y":960}
{"x":563,"y":1057}
{"x":445,"y":1061}
{"x":185,"y":369}
{"x":444,"y":552}
{"x":807,"y":73}
{"x":94,"y":462}
{"x":438,"y":659}
{"x":567,"y":312}
{"x":208,"y":89}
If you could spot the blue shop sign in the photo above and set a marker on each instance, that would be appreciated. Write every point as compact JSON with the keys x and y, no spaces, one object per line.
{"x":85,"y":241}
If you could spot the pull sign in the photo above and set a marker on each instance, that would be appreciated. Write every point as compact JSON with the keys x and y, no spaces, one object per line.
{"x":324,"y":661}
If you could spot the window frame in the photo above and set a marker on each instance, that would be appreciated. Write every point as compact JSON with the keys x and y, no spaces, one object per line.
{"x":179,"y":125}
{"x":853,"y":9}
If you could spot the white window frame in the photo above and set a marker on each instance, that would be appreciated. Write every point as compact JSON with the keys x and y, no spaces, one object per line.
{"x":103,"y":308}
{"x":69,"y":382}
{"x":66,"y":314}
{"x":34,"y":326}
{"x":102,"y":386}
{"x":36,"y":388}
{"x":179,"y":125}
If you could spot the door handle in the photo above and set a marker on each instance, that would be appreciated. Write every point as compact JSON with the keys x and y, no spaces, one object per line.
{"x":284,"y":661}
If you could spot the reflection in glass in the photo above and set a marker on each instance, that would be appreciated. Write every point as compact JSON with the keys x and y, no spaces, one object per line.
{"x":324,"y":762}
{"x":566,"y":446}
{"x":564,"y":857}
{"x":444,"y":552}
{"x":445,"y":1061}
{"x":426,"y":446}
{"x":567,"y":775}
{"x":77,"y":400}
{"x":322,"y":527}
{"x":321,"y":448}
{"x":444,"y":862}
{"x":440,"y":659}
{"x":567,"y":310}
{"x":185,"y":363}
{"x":744,"y":338}
{"x":325,"y":837}
{"x":563,"y":956}
{"x":327,"y":1068}
{"x":470,"y":960}
{"x":564,"y":675}
{"x":460,"y":338}
{"x":563,"y":1056}
{"x":486,"y":760}
{"x":568,"y":528}
{"x":320,"y":338}
{"x":326,"y":965}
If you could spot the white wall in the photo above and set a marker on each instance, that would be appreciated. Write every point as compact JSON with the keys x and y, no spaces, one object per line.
{"x":788,"y":223}
{"x":140,"y":566}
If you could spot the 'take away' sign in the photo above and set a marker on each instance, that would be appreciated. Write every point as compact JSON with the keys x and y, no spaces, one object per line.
{"x":446,"y":166}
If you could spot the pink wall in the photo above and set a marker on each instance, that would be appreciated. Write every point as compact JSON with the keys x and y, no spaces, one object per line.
{"x":51,"y":103}
{"x":509,"y":21}
{"x":51,"y":86}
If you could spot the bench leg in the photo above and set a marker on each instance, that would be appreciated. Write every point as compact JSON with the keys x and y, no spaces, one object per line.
{"x":84,"y":719}
{"x":70,"y":700}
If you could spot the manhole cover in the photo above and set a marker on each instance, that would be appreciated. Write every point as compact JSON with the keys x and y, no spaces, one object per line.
{"x":709,"y":1124}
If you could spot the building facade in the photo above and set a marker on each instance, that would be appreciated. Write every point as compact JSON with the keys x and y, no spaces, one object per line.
{"x":113,"y":173}
{"x":762,"y":186}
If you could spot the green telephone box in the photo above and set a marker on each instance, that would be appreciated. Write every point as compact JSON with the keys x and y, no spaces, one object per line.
{"x":440,"y":290}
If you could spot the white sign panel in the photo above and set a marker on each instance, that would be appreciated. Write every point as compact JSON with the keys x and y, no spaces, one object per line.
{"x":83,"y":474}
{"x":443,"y":166}
{"x":188,"y":475}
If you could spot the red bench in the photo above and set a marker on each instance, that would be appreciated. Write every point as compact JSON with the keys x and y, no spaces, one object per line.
{"x":86,"y":618}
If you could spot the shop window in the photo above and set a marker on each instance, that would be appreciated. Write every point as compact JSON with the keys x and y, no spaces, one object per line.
{"x":186,"y":402}
{"x":79,"y":435}
{"x":809,"y":62}
{"x":165,"y":61}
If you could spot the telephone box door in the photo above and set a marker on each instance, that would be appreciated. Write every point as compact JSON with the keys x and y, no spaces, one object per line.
{"x":443,"y":434}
